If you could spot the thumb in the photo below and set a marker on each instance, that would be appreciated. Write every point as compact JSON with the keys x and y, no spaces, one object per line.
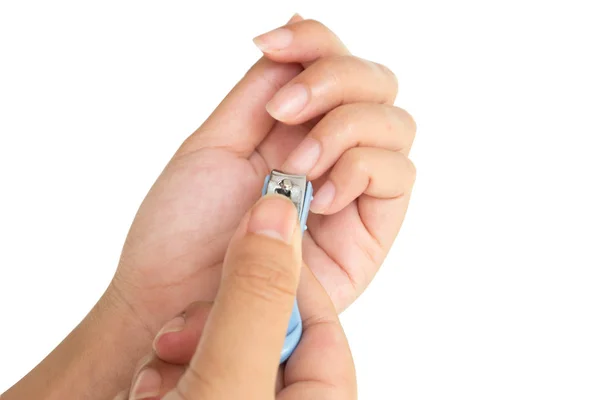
{"x":238,"y":353}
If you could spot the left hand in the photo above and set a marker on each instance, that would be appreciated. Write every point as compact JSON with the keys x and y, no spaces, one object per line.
{"x":242,"y":332}
{"x":347,"y":138}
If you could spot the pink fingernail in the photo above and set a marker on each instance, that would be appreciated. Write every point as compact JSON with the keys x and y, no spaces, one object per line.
{"x":177,"y":324}
{"x":295,"y":18}
{"x":277,"y":39}
{"x":288,"y":102}
{"x":121,"y":396}
{"x":147,"y":385}
{"x":304,"y":157}
{"x":323,"y":198}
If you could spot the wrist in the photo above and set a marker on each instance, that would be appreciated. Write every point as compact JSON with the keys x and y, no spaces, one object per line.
{"x":96,"y":359}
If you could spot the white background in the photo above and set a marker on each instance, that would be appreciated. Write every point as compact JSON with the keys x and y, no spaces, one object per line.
{"x":492,"y":290}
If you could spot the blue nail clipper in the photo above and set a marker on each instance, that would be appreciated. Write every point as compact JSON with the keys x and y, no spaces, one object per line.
{"x":297,"y":189}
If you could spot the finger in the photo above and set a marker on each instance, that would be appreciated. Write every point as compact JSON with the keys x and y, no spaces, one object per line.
{"x":174,"y":346}
{"x":238,"y":353}
{"x":141,"y":365}
{"x":176,"y":342}
{"x":303,"y":41}
{"x":155,"y":379}
{"x":379,"y":173}
{"x":178,"y":346}
{"x":158,"y":379}
{"x":155,"y":375}
{"x":122,"y":396}
{"x":295,"y":18}
{"x":348,"y":126}
{"x":306,"y":375}
{"x":330,"y":82}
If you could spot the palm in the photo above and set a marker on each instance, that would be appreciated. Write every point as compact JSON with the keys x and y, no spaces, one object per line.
{"x":175,"y":249}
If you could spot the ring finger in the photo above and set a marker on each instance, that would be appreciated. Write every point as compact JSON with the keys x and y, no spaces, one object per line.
{"x":331,"y":82}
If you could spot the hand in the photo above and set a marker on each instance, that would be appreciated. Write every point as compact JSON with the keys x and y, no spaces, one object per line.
{"x":309,"y":107}
{"x":242,"y":332}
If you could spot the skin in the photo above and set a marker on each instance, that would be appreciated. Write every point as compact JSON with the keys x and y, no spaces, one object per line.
{"x":173,"y":255}
{"x":230,"y":349}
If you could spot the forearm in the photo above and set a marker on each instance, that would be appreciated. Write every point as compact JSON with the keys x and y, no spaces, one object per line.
{"x":94,"y":362}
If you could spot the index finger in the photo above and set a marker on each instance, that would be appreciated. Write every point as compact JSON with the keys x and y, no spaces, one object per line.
{"x":301,"y":41}
{"x":238,"y":353}
{"x":306,"y":375}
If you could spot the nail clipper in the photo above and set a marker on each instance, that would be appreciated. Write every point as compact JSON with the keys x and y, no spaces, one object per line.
{"x":300,"y":192}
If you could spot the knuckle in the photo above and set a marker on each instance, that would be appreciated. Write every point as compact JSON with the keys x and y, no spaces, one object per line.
{"x":410,"y":121}
{"x":390,"y":79}
{"x":362,"y":64}
{"x":342,"y":121}
{"x":317,"y":25}
{"x":412,"y":170}
{"x":333,"y":69}
{"x":320,"y":320}
{"x":337,"y":63}
{"x":342,"y":114}
{"x":265,"y":278}
{"x":409,"y":125}
{"x":387,"y":71}
{"x":355,"y":163}
{"x":340,"y":66}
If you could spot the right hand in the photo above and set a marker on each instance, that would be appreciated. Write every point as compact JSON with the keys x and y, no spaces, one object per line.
{"x":230,"y":349}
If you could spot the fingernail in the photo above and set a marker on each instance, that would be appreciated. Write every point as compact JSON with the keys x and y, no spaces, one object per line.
{"x":288,"y":102}
{"x":295,"y":18}
{"x":323,"y":198}
{"x":175,"y":325}
{"x":277,"y":39}
{"x":304,"y":157}
{"x":274,"y":216}
{"x":121,"y":396}
{"x":147,"y":385}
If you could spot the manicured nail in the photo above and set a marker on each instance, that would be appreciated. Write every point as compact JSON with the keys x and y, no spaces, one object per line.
{"x":288,"y":101}
{"x":274,"y":216}
{"x":147,"y":385}
{"x":323,"y":198}
{"x":175,"y":325}
{"x":304,"y":157}
{"x":277,"y":39}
